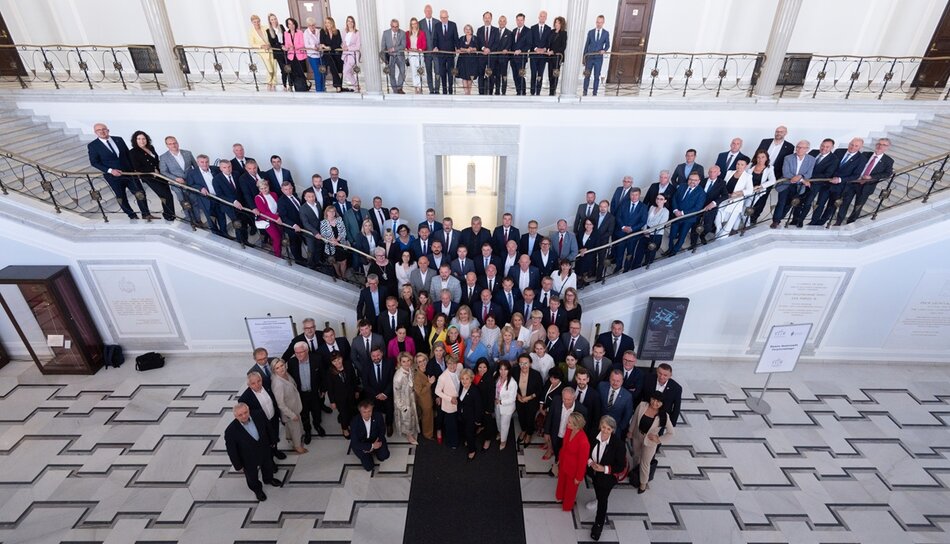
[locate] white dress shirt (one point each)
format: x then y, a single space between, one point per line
266 403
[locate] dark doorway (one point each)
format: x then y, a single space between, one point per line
10 63
933 73
631 35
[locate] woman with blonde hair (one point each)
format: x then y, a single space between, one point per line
258 39
330 44
404 399
288 402
507 348
266 203
351 53
422 386
333 231
464 321
275 37
416 45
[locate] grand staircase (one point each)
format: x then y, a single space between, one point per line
911 143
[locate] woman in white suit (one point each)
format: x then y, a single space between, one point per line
763 175
506 392
738 186
289 403
650 426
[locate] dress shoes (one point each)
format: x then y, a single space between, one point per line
551 473
838 223
595 531
280 455
260 496
276 483
307 437
851 220
389 430
773 225
320 431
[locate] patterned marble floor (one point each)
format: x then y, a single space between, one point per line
849 454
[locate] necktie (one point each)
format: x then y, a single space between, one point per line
267 371
631 208
600 220
820 158
688 191
553 317
597 368
616 346
462 264
486 263
448 240
598 35
491 285
510 302
296 204
242 163
544 300
506 235
379 372
560 244
871 163
626 374
517 33
445 29
112 147
580 395
312 347
367 345
392 322
550 345
590 209
729 161
570 348
231 181
845 158
610 401
333 348
424 245
484 311
471 291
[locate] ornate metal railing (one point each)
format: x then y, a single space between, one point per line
846 76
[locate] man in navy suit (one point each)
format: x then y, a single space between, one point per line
288 208
875 166
726 161
504 232
377 379
506 38
598 43
486 39
777 148
521 44
621 194
368 436
227 188
202 179
632 376
483 261
615 341
450 238
671 391
714 190
372 300
445 38
684 169
110 155
587 396
247 440
262 402
485 306
334 184
509 298
631 217
541 35
824 170
615 401
462 265
688 199
797 170
433 224
277 175
525 275
847 168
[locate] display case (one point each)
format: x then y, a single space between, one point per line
46 305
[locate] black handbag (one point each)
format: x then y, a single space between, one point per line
149 361
112 355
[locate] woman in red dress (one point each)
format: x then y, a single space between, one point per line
572 462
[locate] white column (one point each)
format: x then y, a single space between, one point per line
786 14
574 56
369 46
157 17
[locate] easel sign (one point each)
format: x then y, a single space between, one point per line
780 354
271 333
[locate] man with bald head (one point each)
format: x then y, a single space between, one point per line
541 36
427 25
875 166
797 170
110 155
777 148
849 169
247 440
726 160
444 40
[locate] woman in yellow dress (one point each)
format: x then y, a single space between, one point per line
258 39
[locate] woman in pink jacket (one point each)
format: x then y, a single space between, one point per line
266 203
296 52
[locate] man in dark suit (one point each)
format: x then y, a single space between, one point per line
554 315
427 26
631 216
372 300
421 245
378 385
261 401
525 275
555 424
491 280
309 375
502 233
484 260
486 40
110 155
462 265
575 341
342 205
378 214
588 210
484 306
227 188
726 161
239 162
310 216
522 45
621 194
556 348
632 376
445 38
277 175
510 298
201 179
530 242
247 183
474 236
433 224
247 440
615 401
777 148
714 189
615 341
505 43
309 337
541 35
604 222
334 184
391 319
875 166
368 436
471 292
848 163
597 364
450 238
798 172
684 169
262 366
545 259
598 43
586 395
288 208
824 170
316 187
663 382
689 199
364 343
663 186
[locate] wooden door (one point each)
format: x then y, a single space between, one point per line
318 9
10 64
934 73
631 35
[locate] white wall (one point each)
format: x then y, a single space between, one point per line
379 148
864 27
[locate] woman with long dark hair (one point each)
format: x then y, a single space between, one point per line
144 159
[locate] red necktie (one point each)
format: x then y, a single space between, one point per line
871 163
560 245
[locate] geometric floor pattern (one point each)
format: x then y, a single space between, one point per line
848 454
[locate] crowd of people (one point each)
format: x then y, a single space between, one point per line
434 51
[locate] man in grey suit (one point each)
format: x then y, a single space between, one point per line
394 47
421 277
310 216
427 25
597 364
445 280
175 164
797 170
564 241
363 345
575 341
